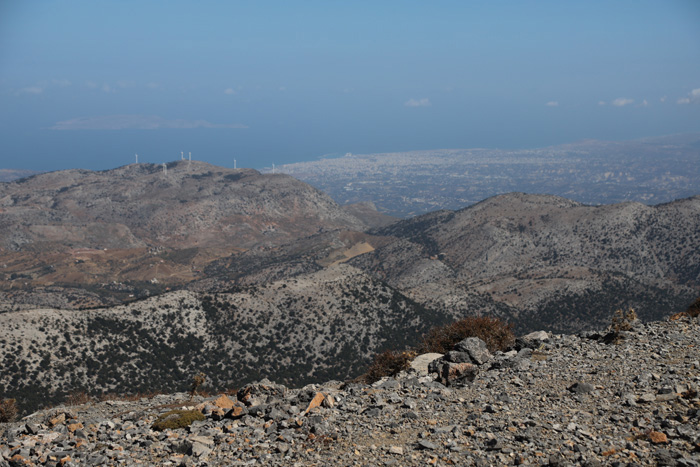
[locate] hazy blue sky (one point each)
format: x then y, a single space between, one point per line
89 83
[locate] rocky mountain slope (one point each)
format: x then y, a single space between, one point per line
560 400
186 205
143 224
323 325
544 260
538 261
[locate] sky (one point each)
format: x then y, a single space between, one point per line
88 84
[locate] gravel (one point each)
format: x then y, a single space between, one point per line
574 400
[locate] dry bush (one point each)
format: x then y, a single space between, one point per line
78 398
497 334
8 410
694 309
197 381
387 363
622 320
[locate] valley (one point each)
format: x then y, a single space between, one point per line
405 184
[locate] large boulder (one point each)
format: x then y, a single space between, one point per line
421 362
532 340
476 348
461 365
456 374
262 392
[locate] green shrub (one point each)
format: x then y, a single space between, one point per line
497 334
387 363
175 419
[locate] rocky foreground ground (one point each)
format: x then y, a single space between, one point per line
554 400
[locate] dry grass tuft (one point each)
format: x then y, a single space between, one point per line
177 419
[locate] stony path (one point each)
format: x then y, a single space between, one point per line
566 400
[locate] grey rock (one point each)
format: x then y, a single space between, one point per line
31 428
532 340
389 383
456 374
666 397
427 445
581 388
409 404
395 450
199 450
282 448
476 348
494 444
664 457
458 357
421 362
263 392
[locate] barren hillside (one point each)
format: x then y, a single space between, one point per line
141 225
545 260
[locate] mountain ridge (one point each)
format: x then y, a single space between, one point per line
532 244
132 195
151 226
